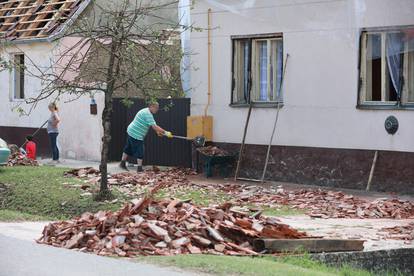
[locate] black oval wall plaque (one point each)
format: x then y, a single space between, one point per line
391 125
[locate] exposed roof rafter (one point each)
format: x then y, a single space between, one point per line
27 19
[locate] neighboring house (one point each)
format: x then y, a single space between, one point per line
350 66
33 30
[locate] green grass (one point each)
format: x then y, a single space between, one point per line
257 266
43 193
197 196
282 211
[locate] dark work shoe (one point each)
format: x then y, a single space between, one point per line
123 166
139 169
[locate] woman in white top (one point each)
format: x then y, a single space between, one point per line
53 131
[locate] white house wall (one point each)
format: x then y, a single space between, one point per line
80 132
39 53
321 82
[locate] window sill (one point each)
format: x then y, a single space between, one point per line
385 107
258 105
17 100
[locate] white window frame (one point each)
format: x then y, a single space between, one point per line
384 70
256 72
13 91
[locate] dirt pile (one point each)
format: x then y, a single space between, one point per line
166 227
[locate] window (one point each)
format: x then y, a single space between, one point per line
387 67
257 70
18 76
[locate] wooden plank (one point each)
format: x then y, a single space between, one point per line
11 2
17 12
35 25
16 8
57 16
30 12
29 30
307 245
2 11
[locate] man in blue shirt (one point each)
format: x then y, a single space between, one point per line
137 130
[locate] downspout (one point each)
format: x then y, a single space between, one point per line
208 62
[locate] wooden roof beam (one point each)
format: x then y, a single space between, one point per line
9 20
12 2
29 14
58 17
35 24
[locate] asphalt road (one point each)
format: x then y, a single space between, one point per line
26 258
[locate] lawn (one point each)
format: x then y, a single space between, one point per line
43 193
252 266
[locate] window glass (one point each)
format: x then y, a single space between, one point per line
409 78
240 71
276 68
373 71
263 70
386 67
18 76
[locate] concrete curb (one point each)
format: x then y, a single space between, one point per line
394 260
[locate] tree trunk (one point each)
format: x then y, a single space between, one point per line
106 139
106 120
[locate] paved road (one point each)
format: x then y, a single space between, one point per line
26 258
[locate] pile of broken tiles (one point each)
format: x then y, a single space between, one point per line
400 232
316 203
166 227
213 151
18 159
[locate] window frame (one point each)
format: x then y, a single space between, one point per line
13 78
401 103
251 39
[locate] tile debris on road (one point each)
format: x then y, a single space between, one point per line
401 232
166 227
317 203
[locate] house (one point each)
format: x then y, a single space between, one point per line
31 39
32 29
350 67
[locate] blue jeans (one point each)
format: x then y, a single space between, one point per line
53 143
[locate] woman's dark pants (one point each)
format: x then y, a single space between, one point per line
53 143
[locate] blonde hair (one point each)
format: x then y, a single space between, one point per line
53 106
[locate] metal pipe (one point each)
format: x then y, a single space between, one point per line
274 126
371 173
208 62
243 142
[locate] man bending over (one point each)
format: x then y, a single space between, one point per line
137 130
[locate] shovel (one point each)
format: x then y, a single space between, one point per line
34 134
198 141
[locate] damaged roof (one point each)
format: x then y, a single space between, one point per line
32 19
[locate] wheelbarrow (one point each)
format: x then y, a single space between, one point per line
223 163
